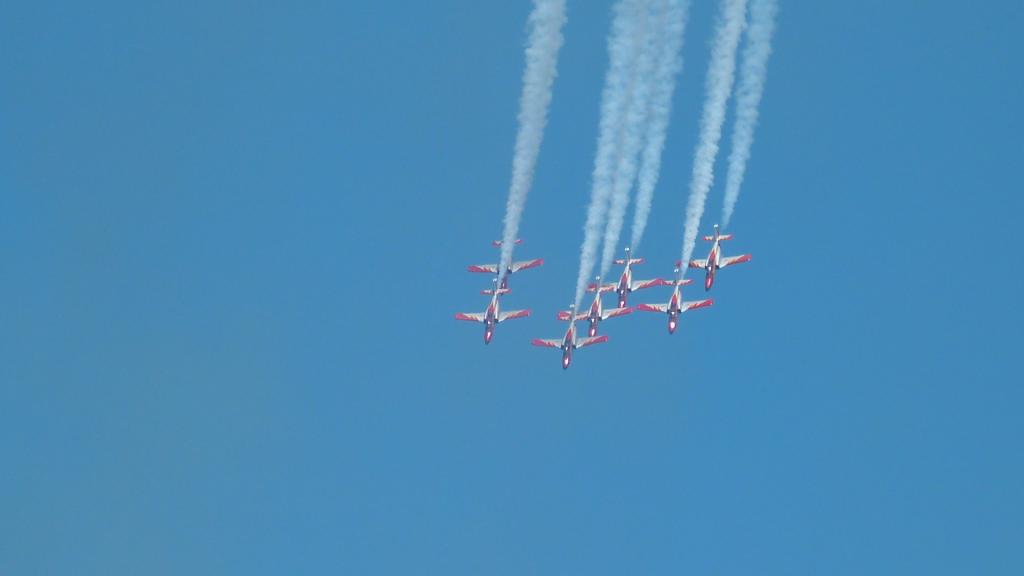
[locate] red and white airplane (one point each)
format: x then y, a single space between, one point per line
569 342
493 315
597 313
626 284
512 268
675 305
715 260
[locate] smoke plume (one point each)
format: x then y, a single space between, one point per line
753 69
545 40
669 63
717 88
623 46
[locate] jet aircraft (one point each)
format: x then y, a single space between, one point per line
596 313
510 269
715 261
493 315
569 342
626 284
675 305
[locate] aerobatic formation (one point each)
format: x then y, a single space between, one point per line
644 59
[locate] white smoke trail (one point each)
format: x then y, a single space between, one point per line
545 40
753 69
631 132
717 88
622 46
669 64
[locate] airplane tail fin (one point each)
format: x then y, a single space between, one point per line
498 243
721 238
500 291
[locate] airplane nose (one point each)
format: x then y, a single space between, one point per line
565 362
672 326
488 334
593 331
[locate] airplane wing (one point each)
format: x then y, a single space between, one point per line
613 312
584 342
697 304
517 266
484 268
730 260
555 343
512 315
699 263
653 307
641 284
477 317
604 288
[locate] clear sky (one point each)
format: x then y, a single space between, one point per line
233 237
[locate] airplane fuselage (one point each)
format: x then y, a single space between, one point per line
568 343
491 320
714 258
624 283
674 308
504 277
595 315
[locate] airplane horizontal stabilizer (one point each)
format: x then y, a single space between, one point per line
632 261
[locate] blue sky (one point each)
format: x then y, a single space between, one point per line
233 238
